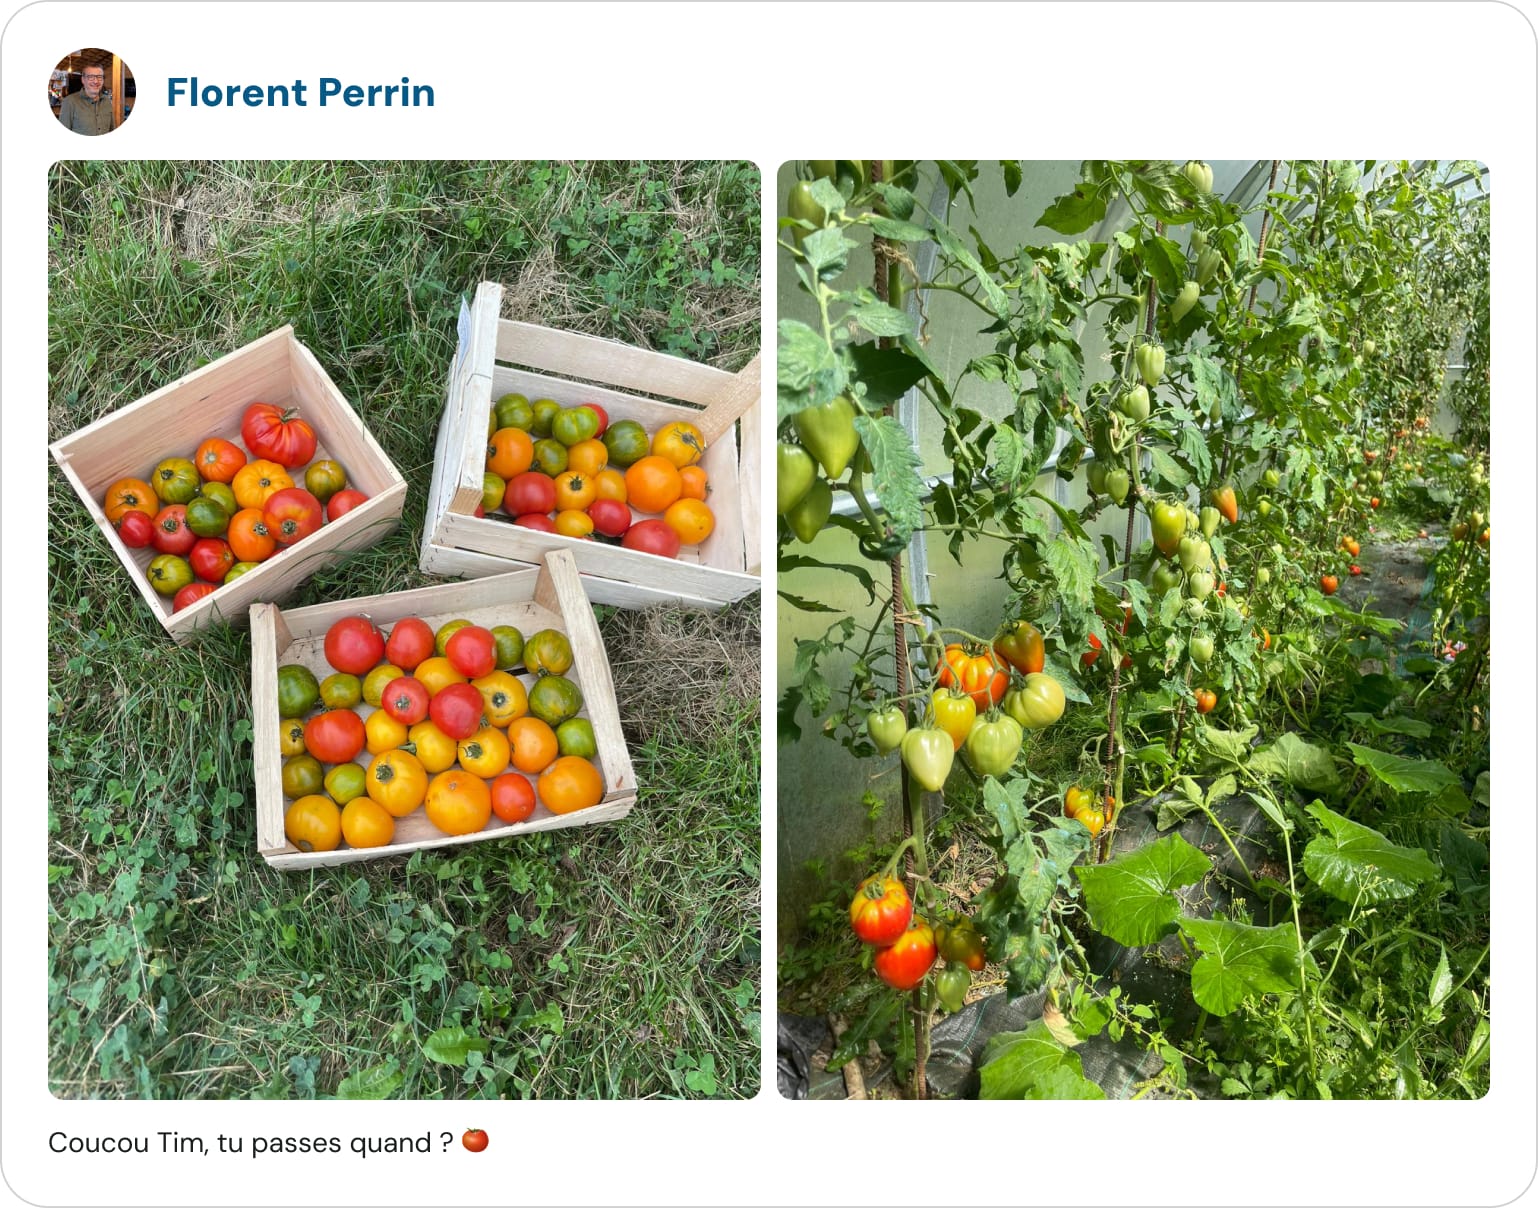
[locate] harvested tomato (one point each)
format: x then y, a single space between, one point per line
334 736
610 484
456 709
509 452
880 910
172 536
569 784
603 417
434 748
652 483
696 483
211 559
354 645
504 696
652 537
548 652
904 964
691 519
218 460
437 673
512 797
137 529
343 502
278 435
411 641
291 515
574 491
485 753
472 650
398 781
249 538
169 573
537 521
191 594
589 458
257 481
366 823
458 803
130 495
324 479
534 744
405 699
175 480
610 517
680 442
313 823
572 523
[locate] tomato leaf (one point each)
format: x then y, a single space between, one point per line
899 203
801 561
892 228
895 472
1013 176
953 247
880 319
1074 212
1167 468
1299 763
1007 805
1239 961
1033 1065
1414 727
1131 899
1355 863
886 373
377 1082
808 372
1404 775
453 1046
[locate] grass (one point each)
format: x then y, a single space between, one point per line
610 961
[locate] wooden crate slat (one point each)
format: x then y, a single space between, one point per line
608 361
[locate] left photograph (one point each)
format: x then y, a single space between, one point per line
403 624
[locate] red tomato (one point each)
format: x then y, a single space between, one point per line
277 435
1090 655
603 417
217 460
610 517
902 965
528 492
192 593
475 1139
172 536
405 698
335 736
653 537
473 651
211 558
137 530
411 641
456 710
291 515
354 646
343 502
536 520
512 797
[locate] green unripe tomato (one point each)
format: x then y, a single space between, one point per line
886 728
1134 404
1201 649
1150 363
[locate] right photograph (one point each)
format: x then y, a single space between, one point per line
1133 656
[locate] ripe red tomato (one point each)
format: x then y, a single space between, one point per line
610 517
475 1140
603 417
335 736
880 911
976 673
411 641
536 520
1089 656
192 593
903 965
354 646
456 710
1328 584
172 536
137 530
473 651
343 502
1206 700
1355 569
291 515
211 559
405 698
277 435
512 797
528 492
653 537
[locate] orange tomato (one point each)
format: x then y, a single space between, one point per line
248 536
696 483
587 457
485 753
313 823
505 696
133 495
610 484
218 460
437 673
366 823
258 481
382 733
458 803
534 744
652 483
509 452
574 523
690 519
574 491
680 442
569 784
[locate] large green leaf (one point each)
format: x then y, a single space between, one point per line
809 373
1033 1065
997 302
1239 961
1404 775
1354 862
453 1046
377 1082
1074 212
1299 763
1006 802
886 373
895 472
1131 899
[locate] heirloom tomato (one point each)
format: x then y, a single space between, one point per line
313 823
211 559
880 910
191 594
366 823
334 736
437 673
603 417
828 433
886 727
548 652
509 646
903 964
696 482
589 458
529 493
382 732
691 519
344 783
433 747
550 457
324 479
575 736
291 515
504 697
569 784
573 425
375 681
172 536
257 481
513 411
343 502
610 517
290 736
680 442
610 484
405 699
1020 645
277 435
486 753
130 495
249 537
472 650
954 712
554 698
960 942
298 690
993 745
537 521
301 775
652 483
398 781
1206 700
458 803
135 529
207 517
574 491
410 641
1037 703
217 460
928 755
975 671
354 645
627 443
175 480
512 797
951 985
456 709
534 744
509 453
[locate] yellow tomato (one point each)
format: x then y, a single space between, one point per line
573 523
437 673
374 682
574 491
382 732
291 737
458 803
485 753
366 823
691 519
398 781
505 696
680 442
434 748
313 823
570 784
610 484
257 481
588 457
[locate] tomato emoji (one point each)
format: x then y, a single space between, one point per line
474 1140
354 645
458 803
277 435
880 910
904 963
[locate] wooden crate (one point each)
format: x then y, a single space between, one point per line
547 597
565 367
210 401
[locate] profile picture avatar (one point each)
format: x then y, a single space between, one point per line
91 91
